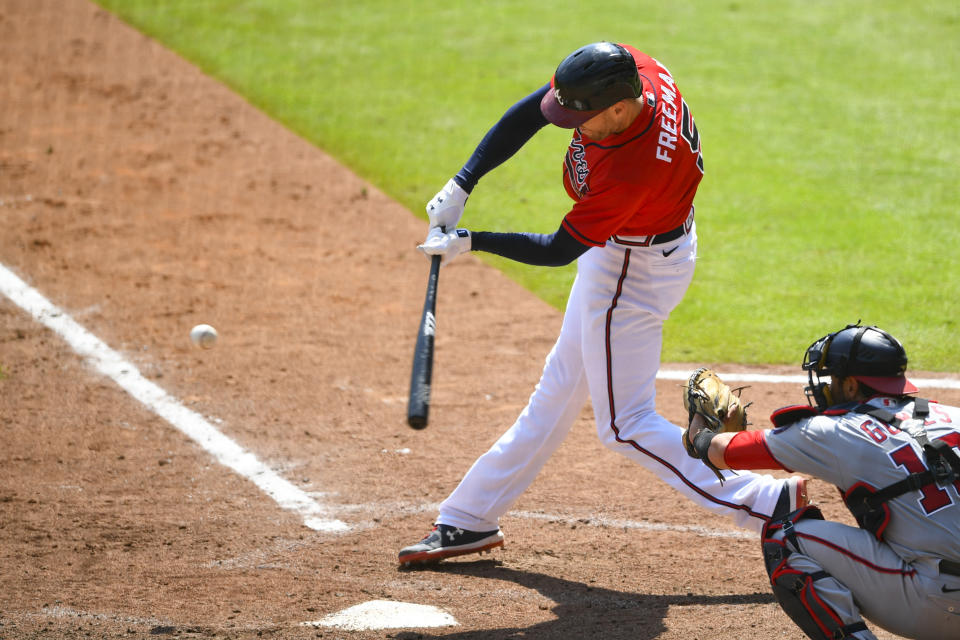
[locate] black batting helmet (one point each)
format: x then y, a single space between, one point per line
588 81
869 354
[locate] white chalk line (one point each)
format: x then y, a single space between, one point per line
923 383
617 523
111 364
59 612
594 519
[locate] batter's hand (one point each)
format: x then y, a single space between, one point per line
446 208
448 245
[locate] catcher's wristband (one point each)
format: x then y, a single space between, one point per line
701 445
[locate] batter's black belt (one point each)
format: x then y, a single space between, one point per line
646 241
660 238
950 567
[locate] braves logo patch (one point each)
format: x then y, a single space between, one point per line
577 167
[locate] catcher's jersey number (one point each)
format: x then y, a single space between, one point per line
934 497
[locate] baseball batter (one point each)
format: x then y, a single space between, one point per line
895 459
632 168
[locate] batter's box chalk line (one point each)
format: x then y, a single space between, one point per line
114 366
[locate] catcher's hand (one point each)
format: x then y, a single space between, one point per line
718 406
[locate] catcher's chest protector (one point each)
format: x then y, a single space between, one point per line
796 591
869 505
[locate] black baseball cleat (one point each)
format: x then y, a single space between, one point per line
793 496
445 541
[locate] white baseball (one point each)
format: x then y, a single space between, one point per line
204 336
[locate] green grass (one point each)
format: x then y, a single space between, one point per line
829 133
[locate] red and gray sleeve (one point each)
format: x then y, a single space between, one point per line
749 450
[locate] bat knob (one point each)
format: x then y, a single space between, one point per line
417 422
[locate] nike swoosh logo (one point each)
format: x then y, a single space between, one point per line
945 590
666 254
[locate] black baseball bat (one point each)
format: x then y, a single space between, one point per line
418 405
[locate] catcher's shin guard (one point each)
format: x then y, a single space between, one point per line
796 591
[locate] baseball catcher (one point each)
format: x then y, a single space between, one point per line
719 409
894 456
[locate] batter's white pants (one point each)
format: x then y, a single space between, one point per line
609 348
868 578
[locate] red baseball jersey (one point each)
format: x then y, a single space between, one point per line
641 181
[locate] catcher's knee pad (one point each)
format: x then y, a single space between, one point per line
796 591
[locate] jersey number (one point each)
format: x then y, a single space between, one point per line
688 129
934 498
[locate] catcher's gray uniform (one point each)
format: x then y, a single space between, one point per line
908 582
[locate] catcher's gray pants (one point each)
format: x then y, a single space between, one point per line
870 580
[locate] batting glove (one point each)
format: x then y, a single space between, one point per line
446 208
448 245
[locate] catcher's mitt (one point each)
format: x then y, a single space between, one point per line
706 395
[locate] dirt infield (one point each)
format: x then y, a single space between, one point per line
142 198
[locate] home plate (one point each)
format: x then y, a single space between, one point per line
384 614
